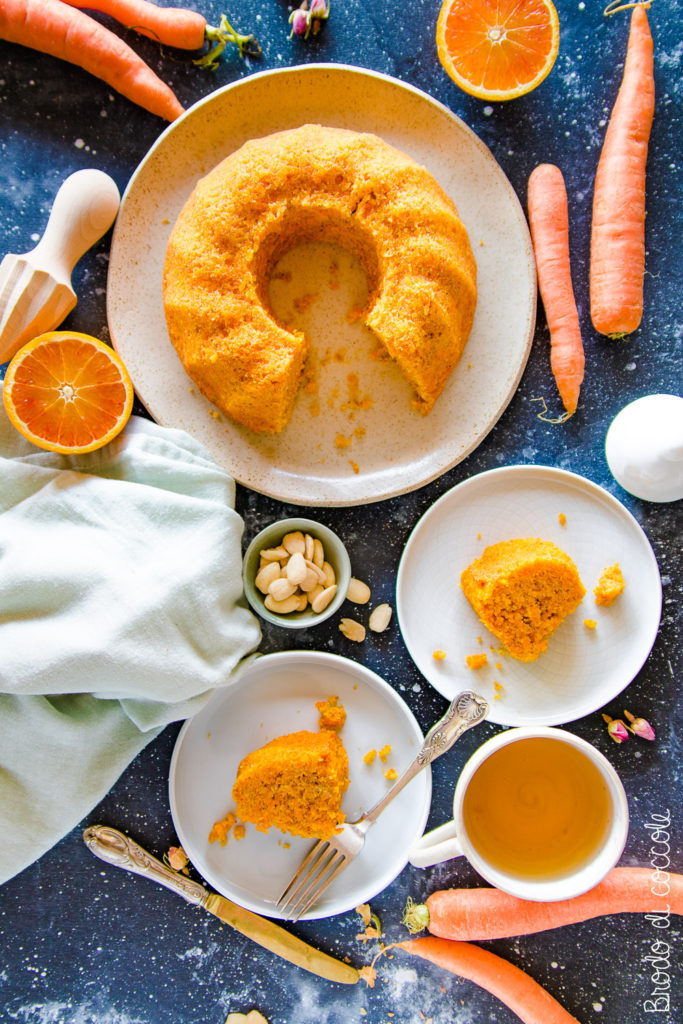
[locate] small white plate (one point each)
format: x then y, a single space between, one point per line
582 668
337 449
275 695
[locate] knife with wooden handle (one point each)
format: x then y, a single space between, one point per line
112 846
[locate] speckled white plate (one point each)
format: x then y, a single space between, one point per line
334 451
582 669
276 694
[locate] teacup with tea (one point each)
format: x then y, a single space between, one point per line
538 812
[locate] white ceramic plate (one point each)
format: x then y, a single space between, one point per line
582 669
275 695
391 448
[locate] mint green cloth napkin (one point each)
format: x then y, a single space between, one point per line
121 610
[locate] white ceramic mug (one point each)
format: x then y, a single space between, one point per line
451 840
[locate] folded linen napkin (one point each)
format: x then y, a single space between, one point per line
121 610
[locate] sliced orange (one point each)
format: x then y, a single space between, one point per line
67 392
497 49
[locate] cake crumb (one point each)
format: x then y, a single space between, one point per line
475 661
610 585
390 774
220 829
438 655
590 623
384 752
370 757
562 519
332 714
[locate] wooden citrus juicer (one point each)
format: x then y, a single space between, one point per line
35 288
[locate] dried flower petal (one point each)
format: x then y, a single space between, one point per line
640 727
364 910
616 729
368 974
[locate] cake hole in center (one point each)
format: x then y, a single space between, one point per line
321 289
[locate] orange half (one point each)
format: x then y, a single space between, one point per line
497 49
67 392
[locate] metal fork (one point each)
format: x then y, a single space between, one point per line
329 857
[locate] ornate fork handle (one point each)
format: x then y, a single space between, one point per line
112 846
466 710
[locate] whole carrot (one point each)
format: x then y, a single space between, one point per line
549 223
53 27
617 260
483 914
512 986
173 26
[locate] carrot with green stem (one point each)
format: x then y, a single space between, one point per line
52 27
617 258
483 914
510 984
174 26
549 223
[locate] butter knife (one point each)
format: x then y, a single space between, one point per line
112 846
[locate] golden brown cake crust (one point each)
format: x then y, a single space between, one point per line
300 185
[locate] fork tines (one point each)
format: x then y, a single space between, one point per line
319 868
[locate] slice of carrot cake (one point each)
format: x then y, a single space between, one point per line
522 590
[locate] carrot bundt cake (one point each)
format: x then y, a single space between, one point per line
305 184
295 783
522 590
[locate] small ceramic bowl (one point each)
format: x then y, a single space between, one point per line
271 537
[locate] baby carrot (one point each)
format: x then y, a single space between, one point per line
617 260
483 914
512 986
549 223
53 27
173 26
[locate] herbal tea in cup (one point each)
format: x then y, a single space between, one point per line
538 812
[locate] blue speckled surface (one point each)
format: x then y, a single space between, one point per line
85 942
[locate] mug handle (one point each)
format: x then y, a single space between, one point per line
436 846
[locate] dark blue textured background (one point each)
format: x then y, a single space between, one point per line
85 942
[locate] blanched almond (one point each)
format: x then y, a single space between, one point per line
358 591
308 546
282 607
380 617
318 553
310 581
282 588
316 569
294 542
329 575
321 600
352 630
274 554
269 572
296 569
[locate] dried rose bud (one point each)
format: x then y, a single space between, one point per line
319 9
298 19
616 729
640 727
177 858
